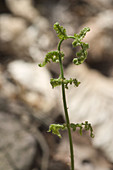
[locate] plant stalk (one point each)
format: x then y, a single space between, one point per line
66 109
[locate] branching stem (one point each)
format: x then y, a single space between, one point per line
58 56
65 108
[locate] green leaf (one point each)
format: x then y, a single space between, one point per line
82 54
55 82
73 126
76 82
76 42
85 125
83 32
59 81
60 31
53 56
79 60
55 128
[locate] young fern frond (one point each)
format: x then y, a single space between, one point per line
80 36
56 128
87 126
59 81
82 54
52 55
57 56
83 32
60 31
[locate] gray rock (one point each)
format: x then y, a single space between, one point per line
37 83
99 38
23 8
85 155
93 101
29 42
18 147
4 163
10 27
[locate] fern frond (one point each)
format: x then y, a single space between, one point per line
82 54
60 31
59 81
55 129
52 55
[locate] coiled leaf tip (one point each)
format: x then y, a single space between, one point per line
53 56
60 31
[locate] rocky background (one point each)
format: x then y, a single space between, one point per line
28 104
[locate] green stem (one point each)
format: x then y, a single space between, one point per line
65 109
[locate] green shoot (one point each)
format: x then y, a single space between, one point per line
58 57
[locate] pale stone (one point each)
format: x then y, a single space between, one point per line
23 8
37 81
93 101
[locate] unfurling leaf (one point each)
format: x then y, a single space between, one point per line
83 32
59 81
60 31
53 56
82 54
55 128
85 125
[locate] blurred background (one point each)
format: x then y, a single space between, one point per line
28 104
